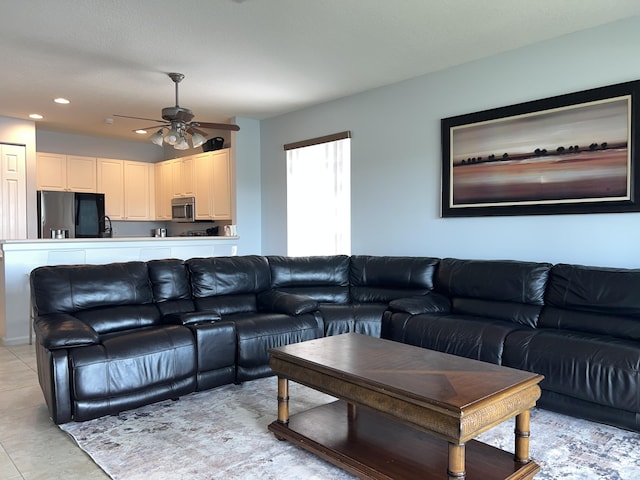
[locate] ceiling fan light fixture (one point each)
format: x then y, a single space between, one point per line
181 144
157 138
172 136
177 122
197 139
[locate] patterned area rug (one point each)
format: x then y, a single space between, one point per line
222 433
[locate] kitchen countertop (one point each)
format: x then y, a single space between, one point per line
117 239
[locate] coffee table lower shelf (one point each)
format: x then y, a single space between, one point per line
373 446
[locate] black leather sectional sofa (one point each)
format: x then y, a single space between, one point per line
117 336
578 326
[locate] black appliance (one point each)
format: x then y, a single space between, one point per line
70 214
215 143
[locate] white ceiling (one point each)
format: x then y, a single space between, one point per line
252 58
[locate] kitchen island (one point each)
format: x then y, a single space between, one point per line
19 257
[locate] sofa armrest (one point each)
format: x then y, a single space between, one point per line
431 302
60 330
192 318
287 303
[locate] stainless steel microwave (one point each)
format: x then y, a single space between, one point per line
183 209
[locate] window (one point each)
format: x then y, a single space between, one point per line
319 196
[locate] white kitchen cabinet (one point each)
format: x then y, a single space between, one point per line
212 185
69 173
203 184
164 190
139 191
128 187
182 176
221 184
111 183
13 192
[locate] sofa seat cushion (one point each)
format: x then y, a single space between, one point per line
364 318
258 332
478 338
599 369
127 363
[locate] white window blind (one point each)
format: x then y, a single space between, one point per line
319 196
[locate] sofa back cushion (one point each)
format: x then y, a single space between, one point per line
501 289
228 284
382 279
598 300
323 278
170 285
111 297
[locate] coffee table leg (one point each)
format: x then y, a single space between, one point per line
352 411
522 437
456 470
283 400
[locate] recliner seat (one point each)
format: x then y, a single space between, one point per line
353 292
239 290
101 347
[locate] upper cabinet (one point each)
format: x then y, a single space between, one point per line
65 172
129 189
212 185
205 176
164 190
222 190
139 191
111 183
182 176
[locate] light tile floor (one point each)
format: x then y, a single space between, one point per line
31 445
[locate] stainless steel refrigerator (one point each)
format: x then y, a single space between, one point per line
70 214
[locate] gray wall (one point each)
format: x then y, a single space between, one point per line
71 144
396 156
246 174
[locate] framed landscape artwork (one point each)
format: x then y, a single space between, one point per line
572 153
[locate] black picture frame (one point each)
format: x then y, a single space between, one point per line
568 154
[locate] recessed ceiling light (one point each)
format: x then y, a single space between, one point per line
61 100
36 116
141 132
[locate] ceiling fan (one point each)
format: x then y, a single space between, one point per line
176 127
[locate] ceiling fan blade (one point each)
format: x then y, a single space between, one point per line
197 130
219 126
141 118
152 127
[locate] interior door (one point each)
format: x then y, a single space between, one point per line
13 188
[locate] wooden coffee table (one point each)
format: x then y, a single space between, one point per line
404 412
